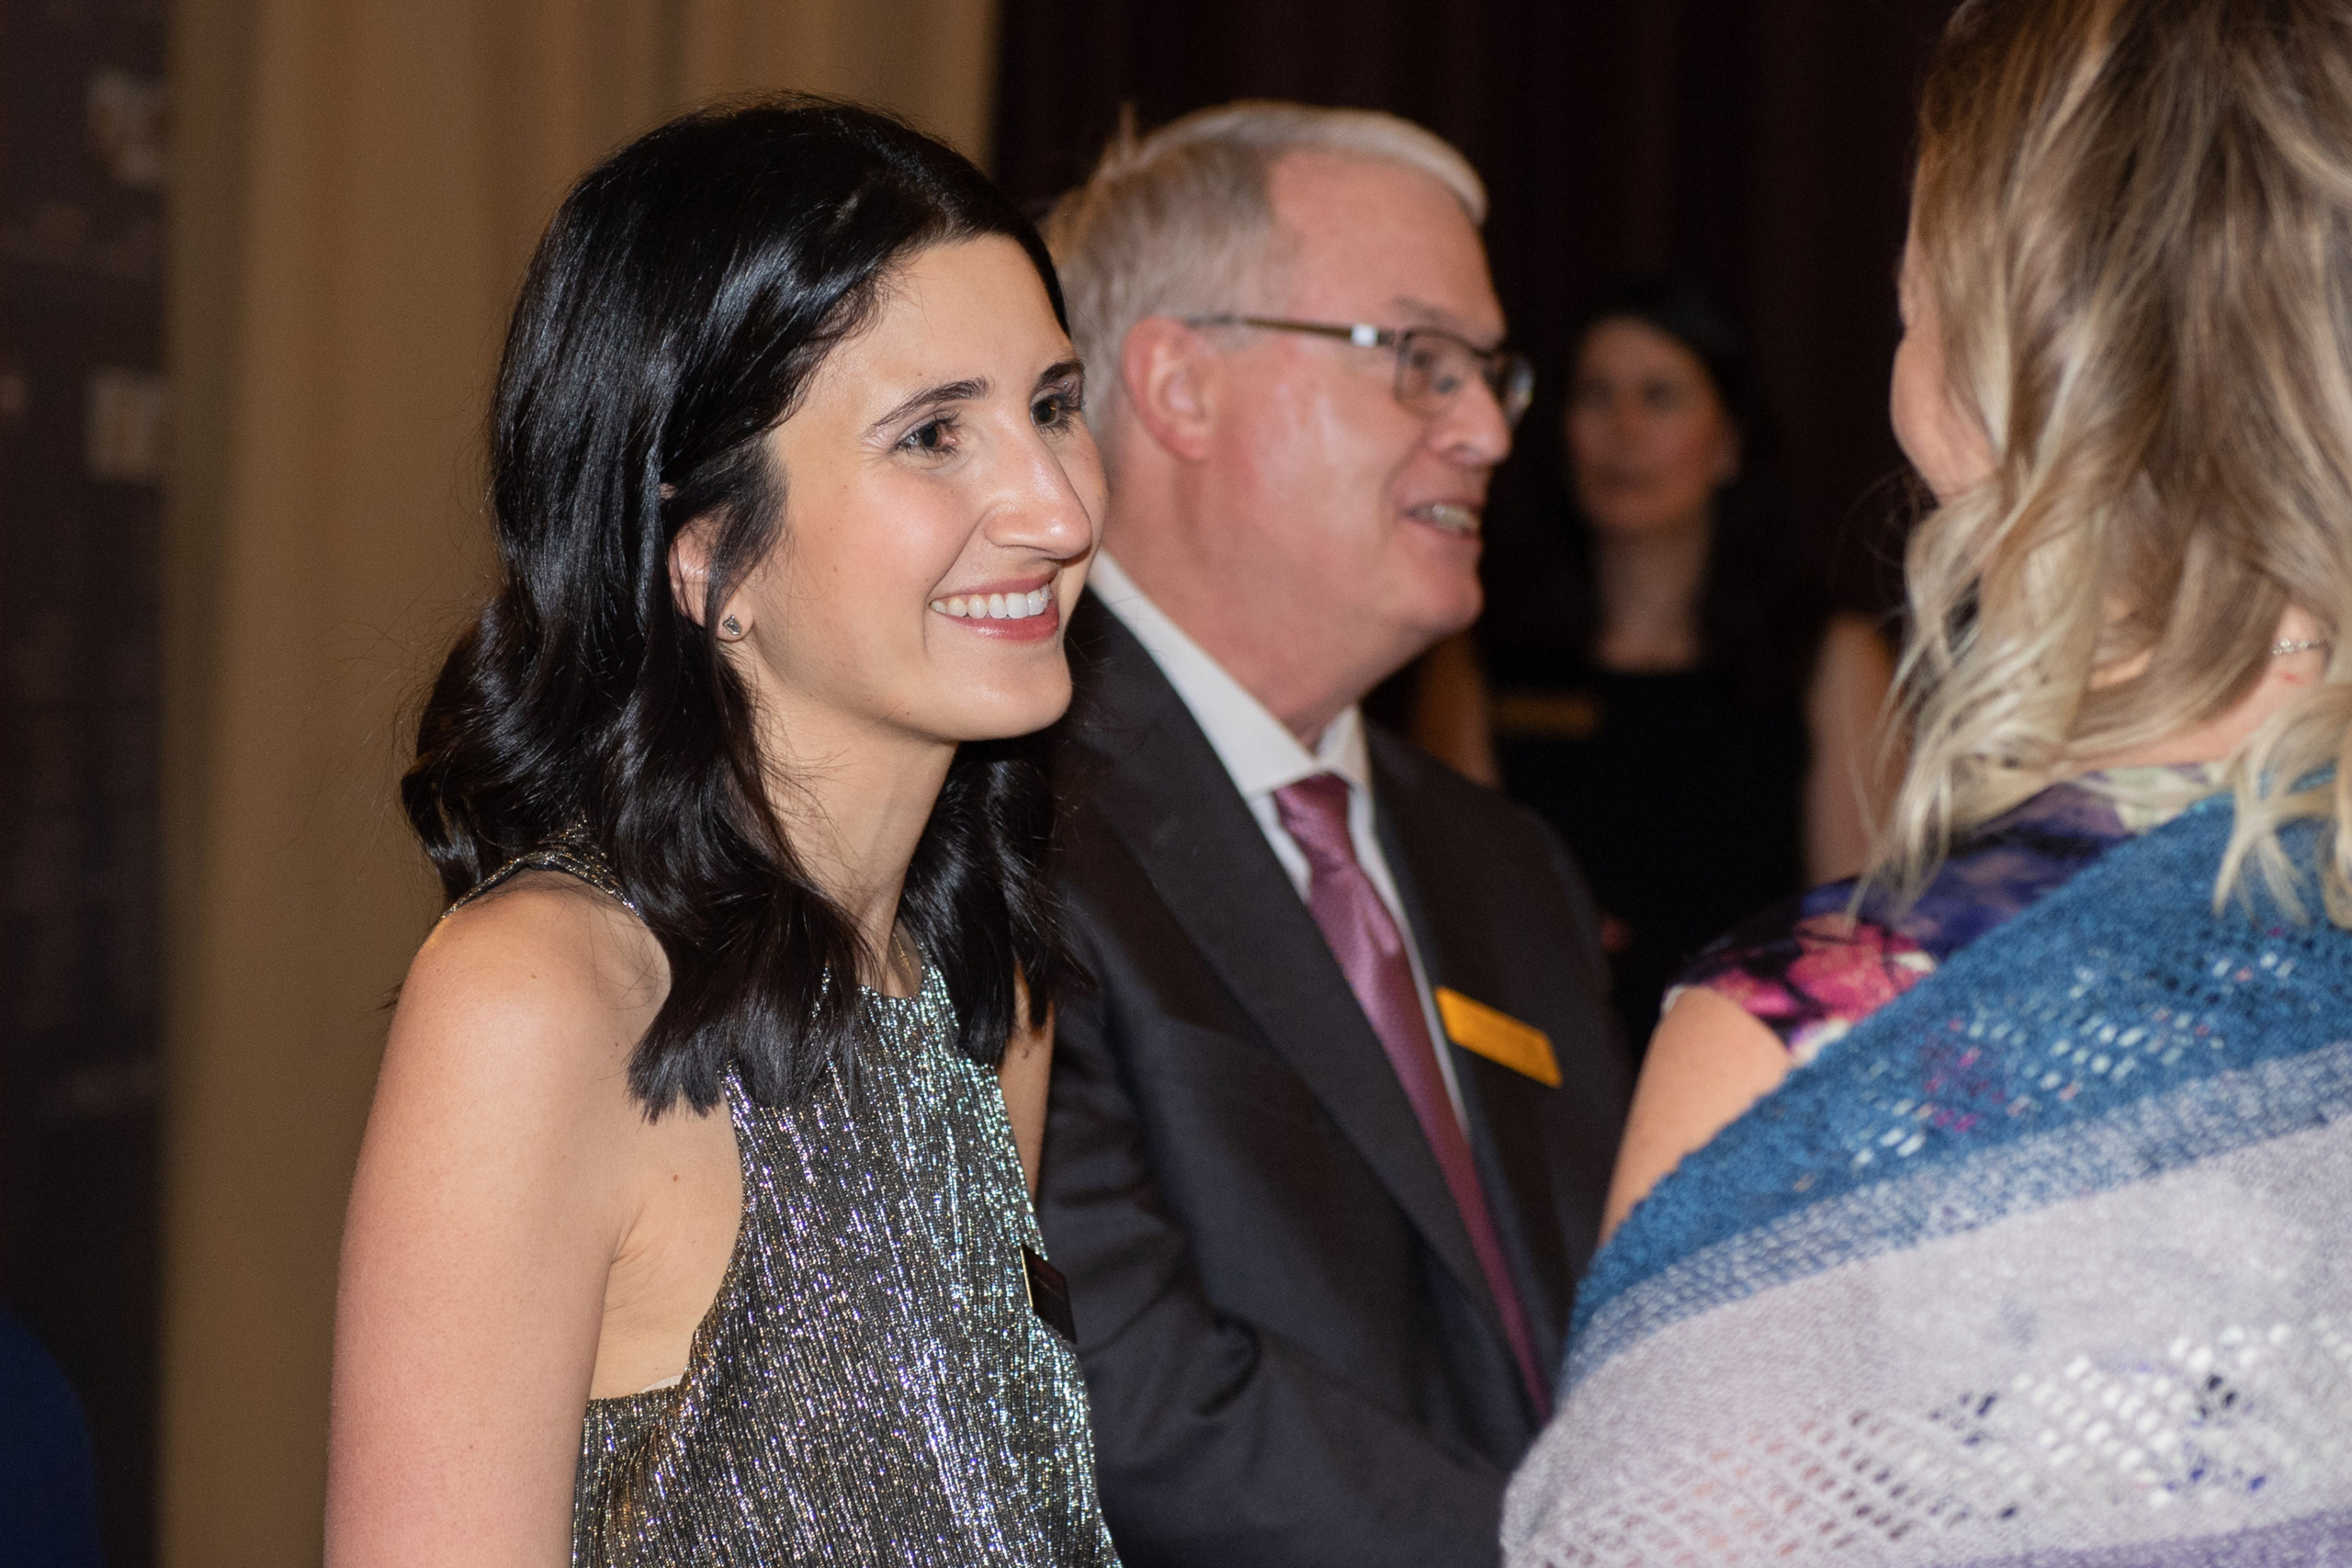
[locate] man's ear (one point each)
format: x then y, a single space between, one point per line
690 567
1728 460
1172 378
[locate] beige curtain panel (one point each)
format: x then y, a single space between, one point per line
357 187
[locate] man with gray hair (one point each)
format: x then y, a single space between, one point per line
1327 1141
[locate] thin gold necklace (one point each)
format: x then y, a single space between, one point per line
911 969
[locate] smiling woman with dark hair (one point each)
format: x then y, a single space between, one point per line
691 1223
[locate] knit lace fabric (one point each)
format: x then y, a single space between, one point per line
2048 1261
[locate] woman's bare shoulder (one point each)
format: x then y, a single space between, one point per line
1709 1061
1853 651
540 988
542 941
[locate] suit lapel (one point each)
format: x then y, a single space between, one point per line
1170 800
1505 1111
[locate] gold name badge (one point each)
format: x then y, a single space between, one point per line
1498 1037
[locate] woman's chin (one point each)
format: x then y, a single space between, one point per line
1005 713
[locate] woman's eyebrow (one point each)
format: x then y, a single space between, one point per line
945 392
1061 371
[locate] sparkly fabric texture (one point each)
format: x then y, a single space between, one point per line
2047 1260
870 1385
569 852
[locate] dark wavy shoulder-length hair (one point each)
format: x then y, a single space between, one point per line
1761 610
684 295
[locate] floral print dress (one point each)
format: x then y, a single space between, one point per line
1810 970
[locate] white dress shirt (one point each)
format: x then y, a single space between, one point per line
1261 755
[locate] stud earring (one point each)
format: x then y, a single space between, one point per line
732 627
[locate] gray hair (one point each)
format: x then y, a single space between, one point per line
1178 223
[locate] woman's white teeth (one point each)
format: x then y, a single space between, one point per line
996 606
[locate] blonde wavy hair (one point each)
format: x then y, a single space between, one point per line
2134 218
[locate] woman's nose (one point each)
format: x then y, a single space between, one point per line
1041 509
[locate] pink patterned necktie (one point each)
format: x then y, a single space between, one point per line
1371 952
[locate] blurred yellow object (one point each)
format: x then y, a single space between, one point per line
1547 715
1498 1037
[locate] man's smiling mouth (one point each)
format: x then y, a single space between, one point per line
1452 516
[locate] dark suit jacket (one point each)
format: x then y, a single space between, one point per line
1293 1355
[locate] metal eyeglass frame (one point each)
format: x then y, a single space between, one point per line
1509 376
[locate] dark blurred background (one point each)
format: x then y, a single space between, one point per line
254 261
81 457
1761 147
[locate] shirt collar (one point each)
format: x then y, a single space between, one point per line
1257 751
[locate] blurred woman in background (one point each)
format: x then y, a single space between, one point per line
1673 691
2001 1211
691 1225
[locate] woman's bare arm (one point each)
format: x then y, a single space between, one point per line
1709 1061
484 1218
1846 787
1025 1076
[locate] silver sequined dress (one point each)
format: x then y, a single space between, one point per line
871 1384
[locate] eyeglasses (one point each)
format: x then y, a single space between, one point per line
1432 367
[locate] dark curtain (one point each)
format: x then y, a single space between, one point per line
1762 145
83 439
